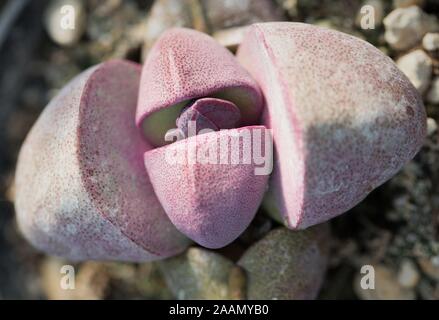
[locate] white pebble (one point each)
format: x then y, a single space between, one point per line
418 67
433 93
430 42
431 126
405 27
230 38
408 275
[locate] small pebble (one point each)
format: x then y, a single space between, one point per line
433 93
430 42
431 126
65 21
290 6
405 27
418 67
202 274
233 13
237 283
429 267
230 38
208 16
137 281
408 275
166 14
286 264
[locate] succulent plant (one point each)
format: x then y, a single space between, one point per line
93 180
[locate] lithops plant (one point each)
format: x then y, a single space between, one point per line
93 179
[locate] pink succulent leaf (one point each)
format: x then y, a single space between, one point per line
183 65
344 118
188 77
210 202
208 113
82 189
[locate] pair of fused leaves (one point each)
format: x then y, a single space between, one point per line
343 117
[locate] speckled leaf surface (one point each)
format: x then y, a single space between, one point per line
82 190
344 118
